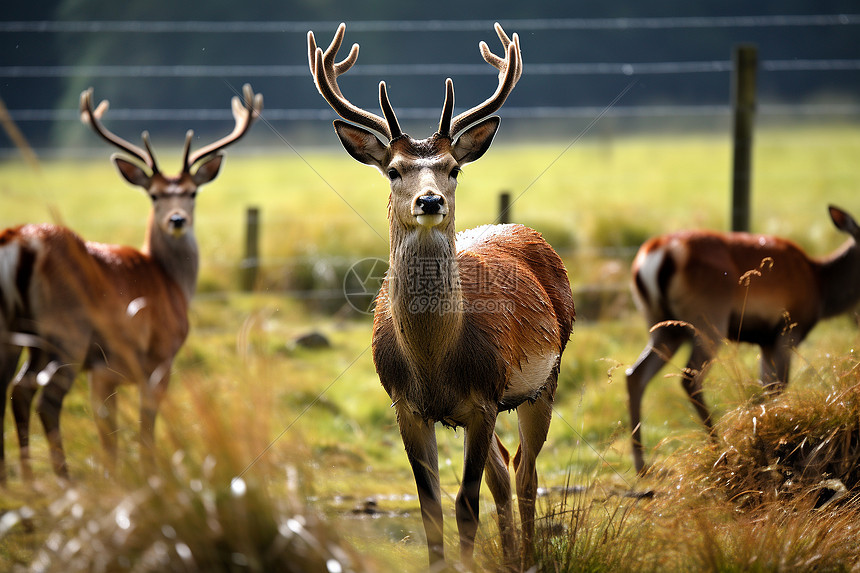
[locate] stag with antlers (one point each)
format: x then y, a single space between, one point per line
466 326
119 313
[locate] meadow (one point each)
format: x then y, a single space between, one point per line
272 452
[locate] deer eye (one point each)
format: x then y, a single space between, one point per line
194 194
393 174
455 172
153 196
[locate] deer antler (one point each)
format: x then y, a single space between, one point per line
245 111
92 117
325 72
510 69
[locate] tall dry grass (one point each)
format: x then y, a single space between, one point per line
215 503
805 443
779 491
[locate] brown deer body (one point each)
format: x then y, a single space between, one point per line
116 312
703 287
465 325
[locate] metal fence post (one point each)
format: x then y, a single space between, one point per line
504 207
251 261
743 102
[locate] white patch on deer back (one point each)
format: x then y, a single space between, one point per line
135 306
469 237
648 272
10 255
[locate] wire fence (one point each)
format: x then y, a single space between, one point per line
331 292
543 112
552 71
560 69
210 27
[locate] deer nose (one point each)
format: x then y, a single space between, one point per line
429 204
177 221
177 224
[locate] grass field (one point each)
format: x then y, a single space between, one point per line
310 432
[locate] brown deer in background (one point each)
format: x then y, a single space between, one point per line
116 312
465 326
703 287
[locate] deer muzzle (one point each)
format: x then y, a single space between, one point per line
177 224
429 209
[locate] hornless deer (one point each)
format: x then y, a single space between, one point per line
116 312
702 287
464 327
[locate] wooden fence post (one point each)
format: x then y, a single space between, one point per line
745 60
504 207
251 261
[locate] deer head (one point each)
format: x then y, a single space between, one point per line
172 196
422 173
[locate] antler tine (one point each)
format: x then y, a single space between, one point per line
325 71
393 126
186 150
245 111
510 69
312 53
447 109
92 117
146 143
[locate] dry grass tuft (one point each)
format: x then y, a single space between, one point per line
188 519
585 533
804 443
210 506
779 492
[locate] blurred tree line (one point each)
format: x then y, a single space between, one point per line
61 49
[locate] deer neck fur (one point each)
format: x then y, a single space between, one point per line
176 254
840 279
424 293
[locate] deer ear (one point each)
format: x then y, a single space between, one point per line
361 144
131 172
843 221
475 141
208 170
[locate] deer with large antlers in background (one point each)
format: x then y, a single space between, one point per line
465 326
116 312
703 287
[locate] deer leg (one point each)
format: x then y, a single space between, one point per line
153 391
103 402
775 365
24 389
419 439
660 349
480 434
8 364
49 407
533 420
692 378
498 480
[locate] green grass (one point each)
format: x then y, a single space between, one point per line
594 195
311 431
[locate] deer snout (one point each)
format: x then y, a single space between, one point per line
429 209
177 223
429 204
